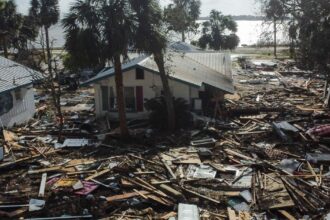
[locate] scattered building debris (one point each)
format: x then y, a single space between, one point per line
267 157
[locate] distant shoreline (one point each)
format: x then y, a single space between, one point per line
240 18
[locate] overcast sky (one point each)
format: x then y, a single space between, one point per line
232 7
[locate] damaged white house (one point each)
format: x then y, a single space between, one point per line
16 93
198 77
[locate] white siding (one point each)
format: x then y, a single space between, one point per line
23 109
151 84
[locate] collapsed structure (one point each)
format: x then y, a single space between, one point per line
197 77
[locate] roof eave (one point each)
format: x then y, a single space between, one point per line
15 88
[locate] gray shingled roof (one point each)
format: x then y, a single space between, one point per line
182 68
14 75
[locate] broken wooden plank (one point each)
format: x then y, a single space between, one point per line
168 168
201 196
231 214
234 153
126 196
172 191
140 194
107 170
312 171
50 169
287 215
42 185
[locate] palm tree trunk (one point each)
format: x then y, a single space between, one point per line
5 47
183 36
292 49
159 59
275 38
120 97
56 96
49 54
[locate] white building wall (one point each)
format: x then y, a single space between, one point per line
23 110
152 87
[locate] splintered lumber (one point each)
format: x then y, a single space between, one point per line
9 136
287 215
144 173
312 171
42 185
274 195
201 196
160 200
126 196
172 191
241 215
169 215
160 182
140 194
231 214
147 186
140 158
7 164
107 170
168 168
234 153
244 216
50 169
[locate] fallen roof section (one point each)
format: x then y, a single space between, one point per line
181 67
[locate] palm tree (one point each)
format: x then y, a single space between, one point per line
151 38
46 13
119 24
113 24
10 22
83 36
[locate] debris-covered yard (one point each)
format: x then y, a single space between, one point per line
268 158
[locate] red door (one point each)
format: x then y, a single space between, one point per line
139 98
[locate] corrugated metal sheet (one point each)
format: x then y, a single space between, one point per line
219 62
183 68
14 75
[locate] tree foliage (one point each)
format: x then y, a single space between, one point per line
219 33
275 13
100 31
310 28
181 16
45 12
83 37
15 29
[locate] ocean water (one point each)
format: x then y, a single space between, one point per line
249 32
